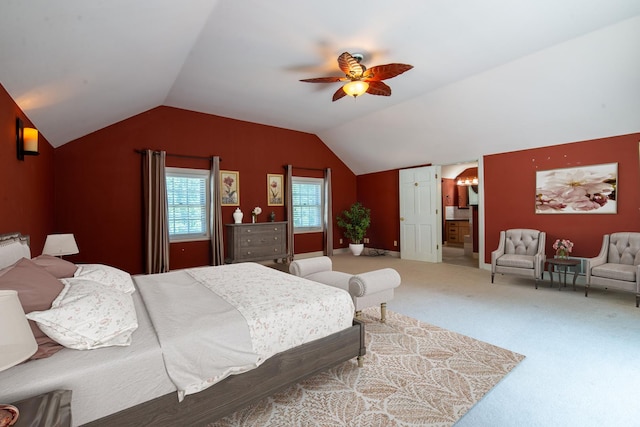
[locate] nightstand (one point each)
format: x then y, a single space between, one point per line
51 409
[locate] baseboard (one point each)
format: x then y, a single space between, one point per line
366 252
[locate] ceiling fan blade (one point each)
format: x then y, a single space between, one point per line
339 94
324 80
379 88
350 66
382 72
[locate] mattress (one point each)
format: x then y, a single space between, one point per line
213 322
103 381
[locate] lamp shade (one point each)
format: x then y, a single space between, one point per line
60 244
17 343
30 136
355 88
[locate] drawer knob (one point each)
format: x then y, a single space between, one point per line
248 231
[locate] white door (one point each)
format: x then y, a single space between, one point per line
420 214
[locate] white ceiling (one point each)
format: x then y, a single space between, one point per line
490 75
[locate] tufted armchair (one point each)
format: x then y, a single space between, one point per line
618 264
520 252
366 289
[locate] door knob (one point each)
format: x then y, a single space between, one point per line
401 218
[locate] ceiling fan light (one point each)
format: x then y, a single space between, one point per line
355 88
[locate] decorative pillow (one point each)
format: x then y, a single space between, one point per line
37 289
89 315
106 275
56 266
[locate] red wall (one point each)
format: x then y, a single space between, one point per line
509 185
379 192
26 187
98 184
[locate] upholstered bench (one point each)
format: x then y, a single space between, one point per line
367 289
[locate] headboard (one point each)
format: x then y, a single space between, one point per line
13 246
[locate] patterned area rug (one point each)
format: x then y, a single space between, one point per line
414 374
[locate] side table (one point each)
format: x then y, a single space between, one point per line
51 409
563 264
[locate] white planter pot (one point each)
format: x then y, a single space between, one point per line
356 248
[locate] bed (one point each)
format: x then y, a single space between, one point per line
167 372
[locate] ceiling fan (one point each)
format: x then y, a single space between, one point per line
360 78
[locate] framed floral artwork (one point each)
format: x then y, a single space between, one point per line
230 188
582 189
275 194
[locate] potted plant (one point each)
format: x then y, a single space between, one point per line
354 223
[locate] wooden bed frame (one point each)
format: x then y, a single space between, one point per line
238 391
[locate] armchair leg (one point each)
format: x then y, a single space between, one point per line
358 314
637 300
586 291
383 312
492 274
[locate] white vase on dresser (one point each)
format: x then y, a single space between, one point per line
237 216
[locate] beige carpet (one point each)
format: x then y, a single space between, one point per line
415 374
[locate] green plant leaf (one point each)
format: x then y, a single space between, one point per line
355 221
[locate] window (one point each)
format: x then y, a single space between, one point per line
188 200
308 204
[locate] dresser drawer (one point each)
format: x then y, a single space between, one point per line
266 252
259 240
260 229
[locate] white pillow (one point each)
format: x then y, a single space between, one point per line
106 275
89 315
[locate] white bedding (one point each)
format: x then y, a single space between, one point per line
216 321
195 327
103 381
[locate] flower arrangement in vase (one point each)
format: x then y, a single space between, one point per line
563 248
254 214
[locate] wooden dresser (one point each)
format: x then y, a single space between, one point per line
256 242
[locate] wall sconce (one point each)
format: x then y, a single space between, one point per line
26 140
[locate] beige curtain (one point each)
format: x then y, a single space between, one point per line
217 239
156 229
289 208
328 214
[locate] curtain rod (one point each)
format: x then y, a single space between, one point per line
307 169
182 156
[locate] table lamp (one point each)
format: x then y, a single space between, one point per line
60 244
17 343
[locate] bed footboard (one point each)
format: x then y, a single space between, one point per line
238 391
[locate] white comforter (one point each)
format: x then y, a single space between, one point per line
213 322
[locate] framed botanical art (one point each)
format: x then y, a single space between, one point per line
230 188
275 194
581 189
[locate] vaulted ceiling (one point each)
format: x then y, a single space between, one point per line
490 75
